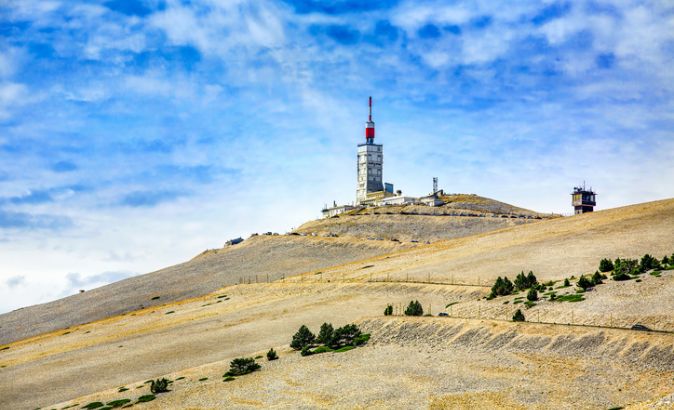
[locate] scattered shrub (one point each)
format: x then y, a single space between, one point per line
345 335
532 296
241 366
648 262
573 297
597 278
566 283
228 379
169 312
122 389
306 351
322 349
118 403
302 338
271 355
584 283
622 267
325 334
344 349
605 265
388 311
529 304
665 260
502 287
414 309
156 297
93 405
146 398
159 386
518 316
203 379
361 339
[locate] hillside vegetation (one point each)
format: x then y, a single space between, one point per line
584 355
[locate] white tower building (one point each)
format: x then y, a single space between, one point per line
370 164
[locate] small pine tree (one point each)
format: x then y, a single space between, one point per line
597 278
241 366
605 265
345 336
302 338
531 279
566 282
665 260
584 283
159 386
325 334
388 311
521 281
414 309
648 262
532 295
518 316
271 355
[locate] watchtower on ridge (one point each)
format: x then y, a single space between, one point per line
583 200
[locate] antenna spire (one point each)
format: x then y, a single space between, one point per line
370 116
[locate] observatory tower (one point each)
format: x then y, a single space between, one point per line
583 200
370 164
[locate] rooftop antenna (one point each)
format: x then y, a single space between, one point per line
369 126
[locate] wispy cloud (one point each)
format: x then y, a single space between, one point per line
221 116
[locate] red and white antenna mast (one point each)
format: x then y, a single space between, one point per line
369 126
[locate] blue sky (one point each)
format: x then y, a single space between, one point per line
135 134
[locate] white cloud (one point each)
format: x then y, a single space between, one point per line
12 95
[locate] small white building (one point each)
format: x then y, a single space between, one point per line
431 200
336 210
398 200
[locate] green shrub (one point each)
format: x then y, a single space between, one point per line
521 282
624 267
502 287
159 386
241 366
344 349
325 334
518 316
605 265
414 309
118 403
665 260
597 278
122 389
621 276
388 311
532 295
302 338
361 340
203 379
93 405
529 304
146 398
228 379
648 262
584 283
573 297
322 349
345 336
306 351
566 283
271 355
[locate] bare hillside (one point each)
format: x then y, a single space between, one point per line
553 249
461 215
259 259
